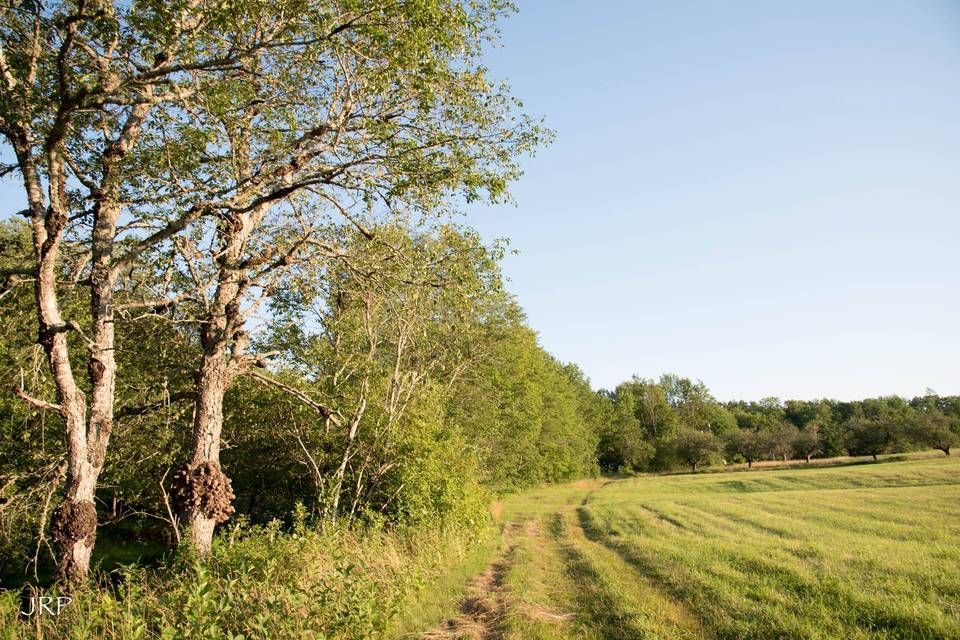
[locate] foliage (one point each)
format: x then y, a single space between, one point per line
871 437
528 418
937 431
696 448
648 417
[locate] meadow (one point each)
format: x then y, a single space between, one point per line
858 551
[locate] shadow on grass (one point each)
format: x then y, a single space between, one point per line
854 610
594 601
594 534
776 465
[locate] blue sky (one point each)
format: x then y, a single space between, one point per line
763 195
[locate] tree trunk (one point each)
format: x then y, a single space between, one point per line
204 494
694 466
87 443
874 456
73 524
749 464
207 429
202 491
808 459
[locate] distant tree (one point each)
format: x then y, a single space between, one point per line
800 412
748 445
680 391
696 447
870 437
651 406
806 442
937 431
781 440
766 414
695 407
622 446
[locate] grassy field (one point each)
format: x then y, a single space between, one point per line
860 551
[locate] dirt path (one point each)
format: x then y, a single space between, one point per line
482 610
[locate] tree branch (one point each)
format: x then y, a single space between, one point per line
323 410
127 412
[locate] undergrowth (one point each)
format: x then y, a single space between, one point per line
262 582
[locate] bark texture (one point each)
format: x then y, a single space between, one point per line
223 341
87 428
202 491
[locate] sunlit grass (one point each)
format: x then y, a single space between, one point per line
863 551
866 551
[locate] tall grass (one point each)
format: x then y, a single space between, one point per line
265 583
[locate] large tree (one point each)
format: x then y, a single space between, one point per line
176 131
871 437
81 83
936 430
747 444
696 448
388 115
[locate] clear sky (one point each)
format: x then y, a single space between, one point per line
763 195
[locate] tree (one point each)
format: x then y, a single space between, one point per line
749 445
695 448
937 431
393 328
108 111
622 447
202 124
59 79
806 442
695 407
800 412
526 417
870 437
781 440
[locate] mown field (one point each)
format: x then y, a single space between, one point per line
859 551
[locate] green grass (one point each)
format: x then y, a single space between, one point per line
443 590
862 551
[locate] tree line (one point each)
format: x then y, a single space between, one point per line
660 425
443 397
